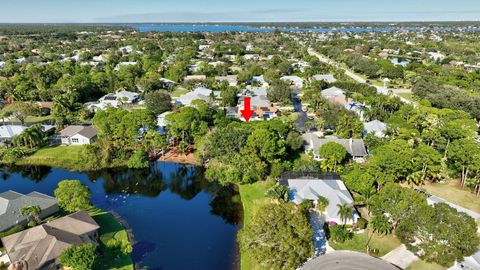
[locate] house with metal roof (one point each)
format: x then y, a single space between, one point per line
40 247
328 78
11 202
378 128
356 148
335 95
9 131
199 93
329 187
78 135
295 80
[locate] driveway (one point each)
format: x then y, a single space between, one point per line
380 89
319 237
302 116
400 257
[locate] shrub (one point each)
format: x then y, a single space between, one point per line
362 223
278 192
340 234
322 203
32 223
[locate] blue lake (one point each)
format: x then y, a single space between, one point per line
244 28
179 220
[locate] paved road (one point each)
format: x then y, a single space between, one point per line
302 116
380 89
347 260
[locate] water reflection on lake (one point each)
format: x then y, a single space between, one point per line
180 220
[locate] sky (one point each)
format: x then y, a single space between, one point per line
123 11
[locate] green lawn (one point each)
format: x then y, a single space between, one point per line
35 119
110 228
453 193
67 157
178 93
422 265
253 196
407 96
384 244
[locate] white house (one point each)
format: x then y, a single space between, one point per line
378 128
356 148
115 100
199 93
328 78
2 64
333 189
295 80
251 56
124 64
78 135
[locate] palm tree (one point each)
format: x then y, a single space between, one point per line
379 224
345 212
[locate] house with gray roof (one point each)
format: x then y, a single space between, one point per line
40 247
11 202
78 135
356 148
328 78
295 80
9 131
199 93
329 187
335 95
378 128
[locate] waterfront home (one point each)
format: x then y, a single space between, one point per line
7 132
295 80
329 187
231 79
328 78
356 148
335 95
378 128
11 202
199 93
40 247
78 135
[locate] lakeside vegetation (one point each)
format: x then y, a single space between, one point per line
253 197
431 141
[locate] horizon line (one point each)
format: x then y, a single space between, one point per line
256 22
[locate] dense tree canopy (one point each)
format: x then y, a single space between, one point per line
279 237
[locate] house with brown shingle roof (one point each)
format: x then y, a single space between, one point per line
40 247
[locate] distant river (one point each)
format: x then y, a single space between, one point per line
244 28
179 220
